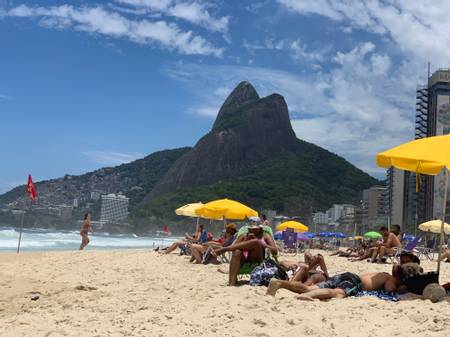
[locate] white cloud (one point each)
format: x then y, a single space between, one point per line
418 28
111 158
151 4
191 11
97 20
298 51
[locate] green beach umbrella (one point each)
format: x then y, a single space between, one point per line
373 235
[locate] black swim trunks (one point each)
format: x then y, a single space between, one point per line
349 282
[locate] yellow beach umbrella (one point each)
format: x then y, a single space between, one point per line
427 155
189 210
226 209
357 237
295 225
434 226
430 156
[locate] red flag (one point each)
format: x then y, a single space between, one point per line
31 190
166 229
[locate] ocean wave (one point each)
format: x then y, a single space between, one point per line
43 240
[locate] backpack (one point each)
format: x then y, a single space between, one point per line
267 270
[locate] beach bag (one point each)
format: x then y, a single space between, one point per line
267 270
417 283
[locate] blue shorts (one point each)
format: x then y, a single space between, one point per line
349 282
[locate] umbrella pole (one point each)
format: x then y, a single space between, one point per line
441 237
198 223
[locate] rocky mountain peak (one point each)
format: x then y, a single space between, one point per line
241 95
247 131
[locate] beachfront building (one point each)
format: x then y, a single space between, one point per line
320 218
374 207
422 197
114 208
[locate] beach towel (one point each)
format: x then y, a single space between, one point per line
381 294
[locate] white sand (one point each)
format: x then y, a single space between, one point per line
139 293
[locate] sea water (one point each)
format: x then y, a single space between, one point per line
47 240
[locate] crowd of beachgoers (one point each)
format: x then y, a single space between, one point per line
252 250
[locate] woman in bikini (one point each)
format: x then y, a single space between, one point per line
249 247
84 231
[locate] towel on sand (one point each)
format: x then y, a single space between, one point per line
381 294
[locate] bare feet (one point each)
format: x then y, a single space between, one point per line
273 287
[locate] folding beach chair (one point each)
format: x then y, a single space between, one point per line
427 251
410 247
290 244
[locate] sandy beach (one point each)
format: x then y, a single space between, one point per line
140 293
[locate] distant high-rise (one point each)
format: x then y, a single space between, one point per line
374 206
423 195
114 208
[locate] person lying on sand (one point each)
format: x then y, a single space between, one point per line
349 252
307 272
340 285
188 239
198 250
248 248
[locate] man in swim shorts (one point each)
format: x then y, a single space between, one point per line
339 286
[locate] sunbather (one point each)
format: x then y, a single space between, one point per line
339 286
349 252
248 248
307 272
390 241
188 239
198 250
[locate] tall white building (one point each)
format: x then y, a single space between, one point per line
320 218
114 208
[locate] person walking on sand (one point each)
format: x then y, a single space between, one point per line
84 231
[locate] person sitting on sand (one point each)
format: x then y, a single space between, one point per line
187 239
340 285
84 231
198 250
307 272
248 248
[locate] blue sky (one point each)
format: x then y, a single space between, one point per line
86 84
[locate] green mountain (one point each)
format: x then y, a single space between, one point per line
253 155
133 179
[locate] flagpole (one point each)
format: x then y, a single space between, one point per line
441 238
21 227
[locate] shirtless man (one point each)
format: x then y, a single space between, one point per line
390 241
339 286
247 248
84 231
